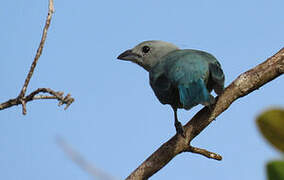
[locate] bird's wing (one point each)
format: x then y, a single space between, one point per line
161 85
181 77
217 76
188 70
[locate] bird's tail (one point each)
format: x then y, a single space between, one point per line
194 93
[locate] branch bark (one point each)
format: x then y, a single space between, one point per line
22 99
243 85
204 152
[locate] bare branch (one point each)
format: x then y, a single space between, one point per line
81 162
243 85
43 97
22 99
204 152
24 106
33 96
39 50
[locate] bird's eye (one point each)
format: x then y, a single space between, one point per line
145 49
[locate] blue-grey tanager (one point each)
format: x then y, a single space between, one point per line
182 78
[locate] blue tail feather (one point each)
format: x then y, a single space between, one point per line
193 93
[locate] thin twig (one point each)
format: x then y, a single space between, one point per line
39 50
246 83
81 162
24 106
204 152
33 96
44 97
22 99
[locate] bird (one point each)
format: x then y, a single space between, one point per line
182 78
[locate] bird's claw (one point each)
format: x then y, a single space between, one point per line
179 129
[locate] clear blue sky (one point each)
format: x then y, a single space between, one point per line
116 121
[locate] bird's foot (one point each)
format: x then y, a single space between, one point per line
211 103
179 129
210 107
212 100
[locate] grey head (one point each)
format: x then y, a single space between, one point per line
147 53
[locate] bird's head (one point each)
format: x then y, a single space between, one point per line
147 53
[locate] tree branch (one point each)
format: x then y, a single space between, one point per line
81 162
33 96
22 99
243 85
40 48
204 152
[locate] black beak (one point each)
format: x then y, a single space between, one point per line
128 55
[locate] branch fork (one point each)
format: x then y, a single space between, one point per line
22 99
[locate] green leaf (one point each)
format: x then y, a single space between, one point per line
275 170
271 125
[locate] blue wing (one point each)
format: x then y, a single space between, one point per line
181 78
217 76
162 86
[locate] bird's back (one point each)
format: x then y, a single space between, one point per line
181 78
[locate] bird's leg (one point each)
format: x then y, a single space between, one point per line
178 125
212 102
